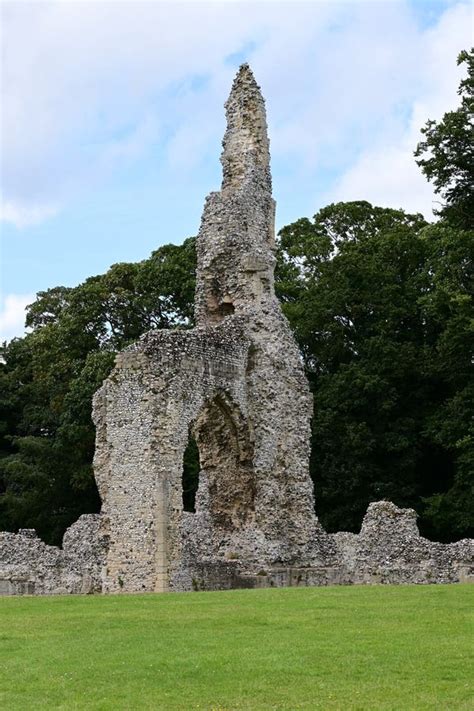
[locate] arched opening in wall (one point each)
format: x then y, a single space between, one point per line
226 459
190 478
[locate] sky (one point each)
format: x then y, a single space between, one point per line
112 118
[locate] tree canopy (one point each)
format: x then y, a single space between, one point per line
446 155
379 302
48 378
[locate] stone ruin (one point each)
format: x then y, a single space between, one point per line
236 383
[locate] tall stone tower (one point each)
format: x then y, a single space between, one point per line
236 240
236 383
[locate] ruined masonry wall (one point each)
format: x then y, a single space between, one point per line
236 381
29 566
389 550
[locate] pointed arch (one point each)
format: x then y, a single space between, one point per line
226 452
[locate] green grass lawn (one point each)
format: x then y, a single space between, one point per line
384 647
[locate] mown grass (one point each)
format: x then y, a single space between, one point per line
314 648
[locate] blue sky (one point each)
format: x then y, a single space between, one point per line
112 119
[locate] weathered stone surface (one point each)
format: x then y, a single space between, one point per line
389 549
236 381
29 566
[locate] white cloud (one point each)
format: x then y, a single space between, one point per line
79 78
90 88
387 177
386 174
25 215
12 315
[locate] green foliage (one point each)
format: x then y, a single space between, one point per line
47 380
114 309
446 155
190 478
380 304
448 310
375 648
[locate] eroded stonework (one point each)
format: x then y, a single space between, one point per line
29 566
236 382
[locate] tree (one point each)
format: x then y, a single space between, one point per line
446 155
48 378
447 311
375 297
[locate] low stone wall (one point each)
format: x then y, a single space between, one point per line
29 566
389 549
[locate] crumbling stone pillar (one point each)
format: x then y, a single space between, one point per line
236 381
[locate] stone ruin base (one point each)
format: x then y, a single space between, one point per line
388 550
30 567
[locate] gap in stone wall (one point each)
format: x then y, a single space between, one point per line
190 477
225 455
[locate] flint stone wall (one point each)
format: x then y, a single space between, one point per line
236 382
254 500
29 566
388 550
